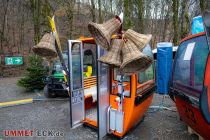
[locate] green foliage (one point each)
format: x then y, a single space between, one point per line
34 75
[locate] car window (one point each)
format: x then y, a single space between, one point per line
190 61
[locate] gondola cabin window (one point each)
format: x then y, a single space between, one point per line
89 60
189 66
126 83
76 67
146 75
145 80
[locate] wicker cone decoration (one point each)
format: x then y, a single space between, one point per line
46 47
113 57
140 40
133 59
102 32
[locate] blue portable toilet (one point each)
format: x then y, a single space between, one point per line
163 66
197 25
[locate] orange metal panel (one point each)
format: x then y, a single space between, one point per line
132 113
207 81
91 40
193 117
90 122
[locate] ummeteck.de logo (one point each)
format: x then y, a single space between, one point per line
32 133
18 133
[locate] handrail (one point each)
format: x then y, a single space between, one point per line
108 119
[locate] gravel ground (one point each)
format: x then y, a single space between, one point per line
54 116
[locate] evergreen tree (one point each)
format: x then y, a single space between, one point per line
35 73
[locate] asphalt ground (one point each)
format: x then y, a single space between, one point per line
9 91
52 117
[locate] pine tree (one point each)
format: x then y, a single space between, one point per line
35 73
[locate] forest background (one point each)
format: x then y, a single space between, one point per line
23 22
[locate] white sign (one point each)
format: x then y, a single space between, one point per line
189 50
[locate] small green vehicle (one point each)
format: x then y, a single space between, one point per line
55 81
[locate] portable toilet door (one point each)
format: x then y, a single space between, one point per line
76 80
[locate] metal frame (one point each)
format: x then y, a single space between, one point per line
102 129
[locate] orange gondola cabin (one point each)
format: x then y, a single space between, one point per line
94 94
190 83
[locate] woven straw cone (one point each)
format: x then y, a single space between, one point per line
140 40
134 61
102 32
113 57
46 47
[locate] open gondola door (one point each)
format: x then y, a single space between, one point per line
78 112
75 66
